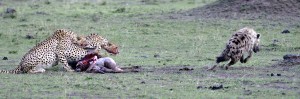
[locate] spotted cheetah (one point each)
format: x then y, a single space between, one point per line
72 53
44 54
244 41
98 42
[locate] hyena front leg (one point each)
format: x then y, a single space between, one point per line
242 60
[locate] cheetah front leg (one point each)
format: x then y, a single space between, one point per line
64 61
37 70
33 68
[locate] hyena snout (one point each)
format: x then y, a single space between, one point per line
256 49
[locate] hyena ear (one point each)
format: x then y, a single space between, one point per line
257 36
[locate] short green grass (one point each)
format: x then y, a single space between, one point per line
133 25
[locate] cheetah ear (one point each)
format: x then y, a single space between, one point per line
257 36
92 34
79 37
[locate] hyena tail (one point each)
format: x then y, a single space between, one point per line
224 56
220 59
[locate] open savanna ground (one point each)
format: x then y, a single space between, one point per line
169 46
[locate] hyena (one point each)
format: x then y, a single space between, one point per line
244 41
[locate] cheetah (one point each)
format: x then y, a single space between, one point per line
244 41
70 54
44 54
98 42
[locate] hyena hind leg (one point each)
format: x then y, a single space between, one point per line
219 59
232 61
244 60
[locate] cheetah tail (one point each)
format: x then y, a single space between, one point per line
14 71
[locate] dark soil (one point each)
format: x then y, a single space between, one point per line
29 36
289 60
4 58
247 9
283 74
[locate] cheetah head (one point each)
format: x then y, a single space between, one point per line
256 46
111 48
96 41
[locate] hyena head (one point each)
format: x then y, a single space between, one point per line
256 46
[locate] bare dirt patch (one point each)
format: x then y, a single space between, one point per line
280 77
289 60
168 69
245 9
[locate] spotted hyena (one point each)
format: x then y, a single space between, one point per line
244 41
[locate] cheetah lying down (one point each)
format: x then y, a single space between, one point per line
63 46
44 54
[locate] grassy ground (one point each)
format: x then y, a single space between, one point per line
149 38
